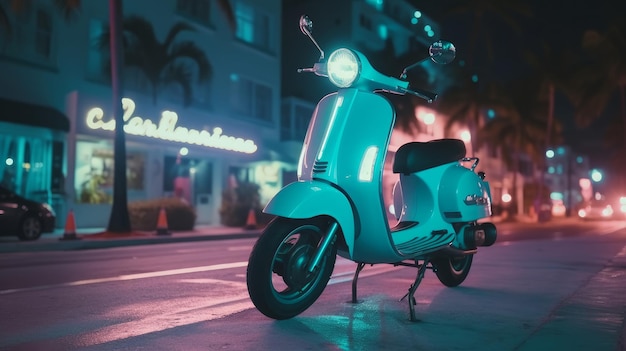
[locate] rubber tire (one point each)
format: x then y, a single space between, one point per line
29 229
452 271
269 301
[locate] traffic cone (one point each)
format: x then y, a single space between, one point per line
70 228
161 228
251 220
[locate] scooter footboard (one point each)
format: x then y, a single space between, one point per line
307 199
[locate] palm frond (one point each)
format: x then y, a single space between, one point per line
191 51
69 8
162 63
139 31
181 75
175 31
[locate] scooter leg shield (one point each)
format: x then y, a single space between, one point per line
308 199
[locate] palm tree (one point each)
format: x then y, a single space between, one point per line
119 221
603 79
606 73
484 16
465 101
554 70
519 126
162 63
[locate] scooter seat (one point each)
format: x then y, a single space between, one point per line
418 156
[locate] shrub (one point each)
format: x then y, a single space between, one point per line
144 215
237 202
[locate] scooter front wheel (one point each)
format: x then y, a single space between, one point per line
452 271
279 283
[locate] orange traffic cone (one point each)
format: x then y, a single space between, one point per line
70 228
161 228
251 220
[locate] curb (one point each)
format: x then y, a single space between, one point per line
86 243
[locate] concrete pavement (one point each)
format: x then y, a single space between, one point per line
95 238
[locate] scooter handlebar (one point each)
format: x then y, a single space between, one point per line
318 68
424 94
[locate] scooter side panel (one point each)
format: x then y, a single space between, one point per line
307 199
464 197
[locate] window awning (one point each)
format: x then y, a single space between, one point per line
13 111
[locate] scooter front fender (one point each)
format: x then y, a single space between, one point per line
307 199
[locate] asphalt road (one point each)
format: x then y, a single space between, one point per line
557 286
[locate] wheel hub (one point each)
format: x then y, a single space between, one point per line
295 273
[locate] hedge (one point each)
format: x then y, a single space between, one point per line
144 215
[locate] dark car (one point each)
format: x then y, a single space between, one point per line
24 218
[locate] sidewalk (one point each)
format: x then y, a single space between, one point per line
92 238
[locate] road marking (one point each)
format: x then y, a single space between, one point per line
190 311
338 278
181 312
240 248
215 267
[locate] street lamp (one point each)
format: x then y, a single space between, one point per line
429 121
596 175
466 136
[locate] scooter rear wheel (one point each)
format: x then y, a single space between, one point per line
279 284
452 271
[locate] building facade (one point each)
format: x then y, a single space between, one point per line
568 178
186 139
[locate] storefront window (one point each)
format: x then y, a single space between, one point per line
187 178
9 165
24 167
94 172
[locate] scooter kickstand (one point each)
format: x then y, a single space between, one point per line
411 294
358 270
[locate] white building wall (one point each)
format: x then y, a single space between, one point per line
50 84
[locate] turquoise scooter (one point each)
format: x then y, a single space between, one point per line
336 207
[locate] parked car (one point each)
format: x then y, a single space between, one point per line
24 218
596 209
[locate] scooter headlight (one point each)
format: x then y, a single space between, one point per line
343 67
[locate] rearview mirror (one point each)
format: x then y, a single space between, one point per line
306 25
442 52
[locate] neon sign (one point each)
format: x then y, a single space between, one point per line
167 129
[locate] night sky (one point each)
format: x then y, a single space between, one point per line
559 23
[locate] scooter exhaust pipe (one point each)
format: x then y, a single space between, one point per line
484 234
